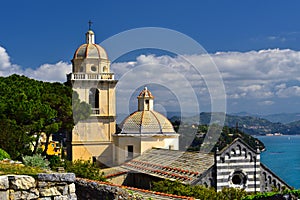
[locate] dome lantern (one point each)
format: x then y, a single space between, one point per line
90 37
145 100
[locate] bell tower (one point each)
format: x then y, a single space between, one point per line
91 78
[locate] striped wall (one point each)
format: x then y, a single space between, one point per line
238 166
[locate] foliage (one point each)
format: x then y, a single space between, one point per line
4 154
54 161
36 160
13 139
81 110
84 169
7 168
294 192
231 194
28 108
197 191
272 194
227 136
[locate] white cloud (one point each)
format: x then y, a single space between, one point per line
266 103
50 72
6 67
277 38
46 72
288 92
253 74
256 75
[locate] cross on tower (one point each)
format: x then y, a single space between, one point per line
90 24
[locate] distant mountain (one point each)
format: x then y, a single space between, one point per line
294 127
252 125
244 114
280 117
283 117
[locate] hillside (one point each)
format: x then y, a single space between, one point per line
283 118
253 125
227 136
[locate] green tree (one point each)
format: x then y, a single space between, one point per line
29 108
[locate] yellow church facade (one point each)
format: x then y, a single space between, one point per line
95 138
91 139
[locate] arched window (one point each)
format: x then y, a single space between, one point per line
105 69
81 69
94 97
239 150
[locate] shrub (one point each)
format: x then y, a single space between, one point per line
177 188
4 154
84 169
36 160
8 168
231 194
294 192
272 195
197 191
55 162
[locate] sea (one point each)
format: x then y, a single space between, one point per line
282 156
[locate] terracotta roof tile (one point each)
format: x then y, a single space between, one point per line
177 165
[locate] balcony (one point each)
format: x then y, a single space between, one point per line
101 76
95 112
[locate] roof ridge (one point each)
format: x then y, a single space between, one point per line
160 127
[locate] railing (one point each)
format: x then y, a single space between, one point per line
95 111
101 76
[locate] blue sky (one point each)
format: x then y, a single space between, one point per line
255 44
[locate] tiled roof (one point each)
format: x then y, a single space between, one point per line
113 171
175 165
146 122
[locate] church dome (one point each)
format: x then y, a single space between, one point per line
90 49
146 122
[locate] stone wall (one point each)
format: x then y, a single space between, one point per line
93 190
57 186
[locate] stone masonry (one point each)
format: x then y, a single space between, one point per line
56 186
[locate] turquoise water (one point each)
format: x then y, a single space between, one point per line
283 157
